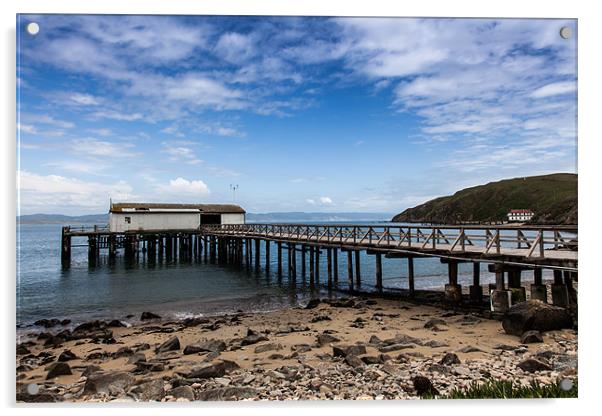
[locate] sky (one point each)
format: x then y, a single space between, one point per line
300 114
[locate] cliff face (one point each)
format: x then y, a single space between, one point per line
553 199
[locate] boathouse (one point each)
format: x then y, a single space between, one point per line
127 216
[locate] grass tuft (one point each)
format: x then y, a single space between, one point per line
498 389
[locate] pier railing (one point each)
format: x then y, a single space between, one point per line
524 241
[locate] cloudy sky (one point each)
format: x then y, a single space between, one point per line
303 114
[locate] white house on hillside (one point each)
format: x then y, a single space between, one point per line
520 215
150 217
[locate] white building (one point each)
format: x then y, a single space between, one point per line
150 217
520 215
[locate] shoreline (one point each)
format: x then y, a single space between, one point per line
289 354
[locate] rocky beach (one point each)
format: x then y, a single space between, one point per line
354 348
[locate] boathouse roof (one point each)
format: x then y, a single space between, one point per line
206 208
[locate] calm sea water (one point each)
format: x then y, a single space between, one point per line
80 293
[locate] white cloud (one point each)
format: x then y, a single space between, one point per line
185 186
116 115
235 47
320 201
181 154
324 200
93 147
84 99
556 88
44 193
102 132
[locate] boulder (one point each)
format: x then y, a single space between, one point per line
253 339
449 359
172 344
145 366
424 386
108 382
148 315
212 345
182 392
47 323
531 337
22 350
324 339
535 315
432 323
116 323
209 370
136 358
395 347
148 391
227 393
271 346
90 369
66 355
58 369
531 365
345 350
123 352
354 361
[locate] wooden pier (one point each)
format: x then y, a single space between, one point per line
509 251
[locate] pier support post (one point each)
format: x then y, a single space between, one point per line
568 281
257 253
92 253
65 248
358 276
329 266
538 289
112 247
311 266
500 298
293 250
335 265
411 287
303 260
514 282
205 248
267 256
560 293
476 290
279 245
453 291
160 247
379 272
317 268
350 270
168 248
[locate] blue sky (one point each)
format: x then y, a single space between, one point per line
304 114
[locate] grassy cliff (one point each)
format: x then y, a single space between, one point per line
553 199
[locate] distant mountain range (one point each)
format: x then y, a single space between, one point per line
251 217
552 198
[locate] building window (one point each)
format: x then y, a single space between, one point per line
128 220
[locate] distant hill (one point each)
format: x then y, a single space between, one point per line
553 199
251 217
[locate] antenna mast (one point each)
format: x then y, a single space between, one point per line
233 188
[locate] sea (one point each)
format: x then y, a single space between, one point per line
122 290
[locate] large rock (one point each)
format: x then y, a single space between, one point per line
345 350
148 315
171 344
450 359
148 391
531 337
228 393
66 355
535 315
182 392
212 345
324 339
253 339
209 370
114 383
531 365
271 346
58 369
424 386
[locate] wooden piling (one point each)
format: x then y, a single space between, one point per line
379 272
350 269
303 249
411 288
317 268
358 277
329 266
335 265
311 266
293 250
65 248
257 254
279 245
267 256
